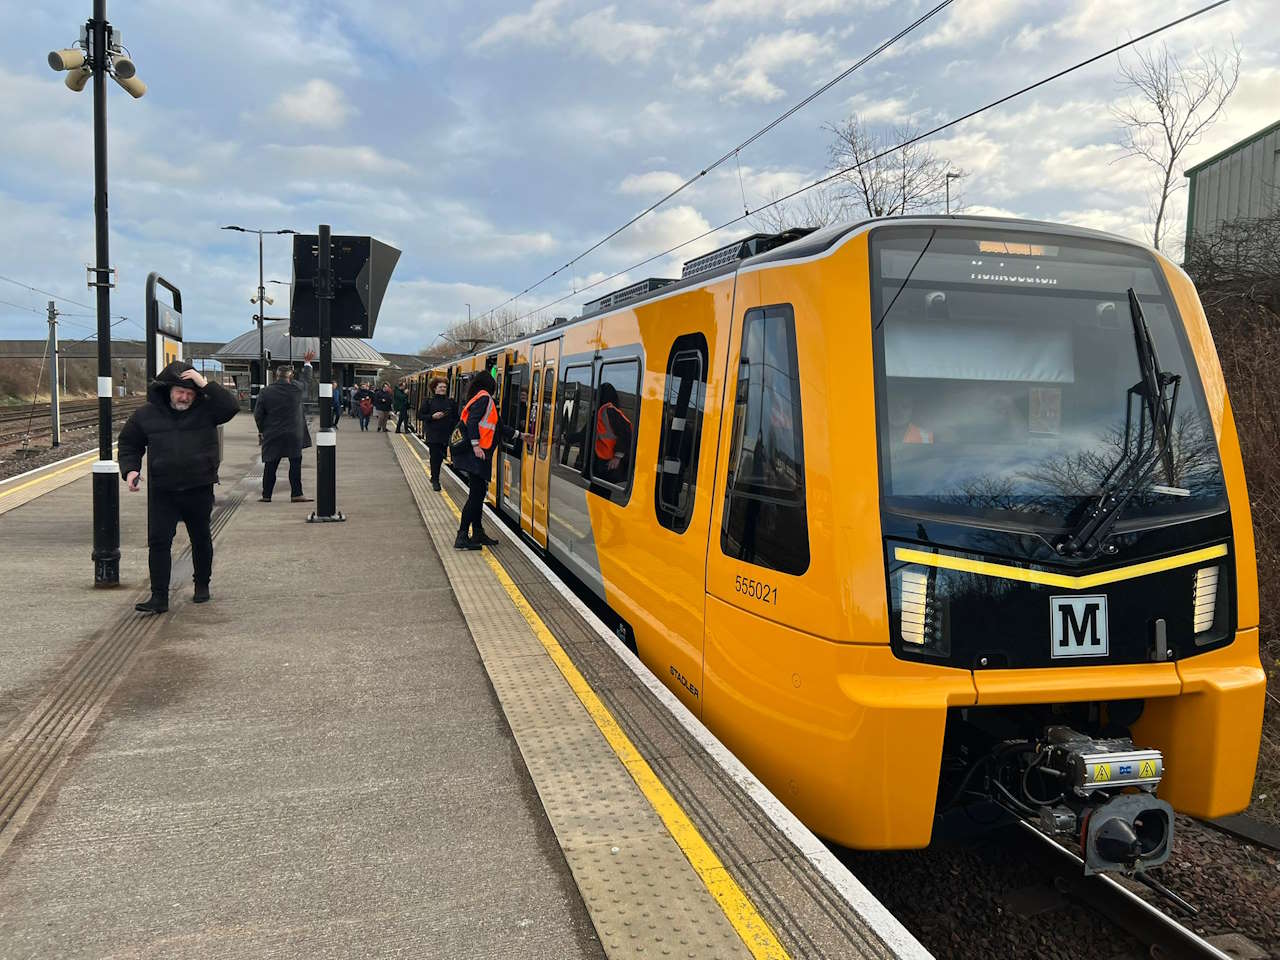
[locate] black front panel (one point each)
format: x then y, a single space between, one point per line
975 619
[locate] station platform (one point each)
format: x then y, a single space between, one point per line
367 744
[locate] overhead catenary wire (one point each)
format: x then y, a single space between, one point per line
732 152
884 153
27 286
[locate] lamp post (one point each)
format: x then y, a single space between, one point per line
255 388
949 178
100 53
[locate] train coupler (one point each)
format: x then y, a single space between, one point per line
1098 791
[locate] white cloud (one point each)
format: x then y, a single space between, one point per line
317 103
650 184
720 10
603 34
321 159
750 75
963 25
536 25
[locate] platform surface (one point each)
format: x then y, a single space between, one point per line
368 744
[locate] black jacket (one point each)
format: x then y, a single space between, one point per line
183 446
382 400
470 463
437 431
280 420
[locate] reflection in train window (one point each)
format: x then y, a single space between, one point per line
684 399
614 432
765 518
575 416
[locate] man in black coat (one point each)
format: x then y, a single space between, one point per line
282 428
178 426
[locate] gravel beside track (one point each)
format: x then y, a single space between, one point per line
976 893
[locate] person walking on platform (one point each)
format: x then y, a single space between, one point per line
282 428
473 455
362 405
438 413
382 401
178 425
400 403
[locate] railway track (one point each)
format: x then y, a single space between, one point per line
76 415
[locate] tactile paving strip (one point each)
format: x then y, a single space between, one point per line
642 893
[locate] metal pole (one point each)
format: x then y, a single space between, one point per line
948 196
54 418
262 352
106 483
327 438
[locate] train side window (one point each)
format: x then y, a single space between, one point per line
530 416
683 402
765 519
614 428
575 405
544 438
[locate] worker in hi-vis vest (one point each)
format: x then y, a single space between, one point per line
613 437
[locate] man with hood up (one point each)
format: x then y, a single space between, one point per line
282 428
178 427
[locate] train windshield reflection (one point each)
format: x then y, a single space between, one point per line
1003 367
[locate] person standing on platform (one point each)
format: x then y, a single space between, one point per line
178 425
473 455
438 413
362 405
282 428
400 403
382 401
336 400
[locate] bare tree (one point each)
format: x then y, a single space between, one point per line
1170 106
495 326
884 182
818 207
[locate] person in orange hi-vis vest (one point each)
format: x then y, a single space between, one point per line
613 437
480 429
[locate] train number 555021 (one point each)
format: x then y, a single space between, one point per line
756 589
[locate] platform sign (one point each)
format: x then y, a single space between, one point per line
164 327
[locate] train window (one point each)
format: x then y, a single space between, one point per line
614 429
575 405
683 402
765 520
544 436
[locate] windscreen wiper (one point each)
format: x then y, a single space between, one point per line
1156 394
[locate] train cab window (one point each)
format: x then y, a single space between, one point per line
614 428
544 436
684 398
575 417
765 519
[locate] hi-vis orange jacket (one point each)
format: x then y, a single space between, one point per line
606 436
488 425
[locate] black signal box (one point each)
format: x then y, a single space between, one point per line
361 268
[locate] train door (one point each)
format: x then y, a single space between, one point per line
515 406
542 440
537 359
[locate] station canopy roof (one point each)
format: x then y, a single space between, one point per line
276 340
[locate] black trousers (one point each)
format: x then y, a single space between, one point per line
473 509
165 508
435 452
269 476
402 420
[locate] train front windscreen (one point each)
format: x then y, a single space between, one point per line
1006 364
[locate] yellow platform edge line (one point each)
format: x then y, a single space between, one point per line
754 930
80 461
1066 581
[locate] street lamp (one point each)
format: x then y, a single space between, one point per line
949 178
100 53
254 388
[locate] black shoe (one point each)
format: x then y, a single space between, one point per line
462 543
435 484
484 540
159 603
202 593
264 499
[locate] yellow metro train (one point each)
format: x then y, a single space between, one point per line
912 512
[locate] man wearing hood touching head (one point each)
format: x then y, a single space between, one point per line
178 427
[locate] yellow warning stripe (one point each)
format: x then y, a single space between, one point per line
80 461
738 909
1057 579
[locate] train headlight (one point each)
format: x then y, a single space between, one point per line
920 611
1205 599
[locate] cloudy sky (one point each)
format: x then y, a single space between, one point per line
493 141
